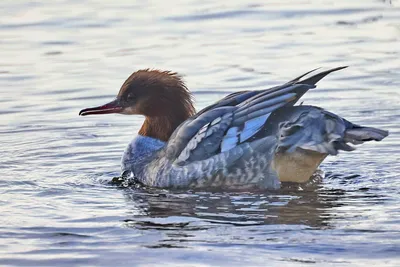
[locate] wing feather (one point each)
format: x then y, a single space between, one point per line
235 119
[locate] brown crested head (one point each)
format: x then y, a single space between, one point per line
161 96
155 93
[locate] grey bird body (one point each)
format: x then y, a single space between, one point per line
248 140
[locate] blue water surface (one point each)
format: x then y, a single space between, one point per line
57 206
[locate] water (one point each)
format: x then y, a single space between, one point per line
57 206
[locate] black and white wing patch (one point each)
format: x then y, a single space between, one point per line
207 140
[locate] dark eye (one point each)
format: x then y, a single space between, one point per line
131 97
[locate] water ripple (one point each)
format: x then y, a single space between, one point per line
58 203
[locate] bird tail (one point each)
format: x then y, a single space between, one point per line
314 129
359 134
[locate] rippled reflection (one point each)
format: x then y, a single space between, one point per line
306 205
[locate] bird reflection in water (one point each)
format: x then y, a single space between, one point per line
179 219
307 205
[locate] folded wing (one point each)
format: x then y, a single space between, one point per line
234 119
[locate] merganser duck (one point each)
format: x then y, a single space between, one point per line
247 140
